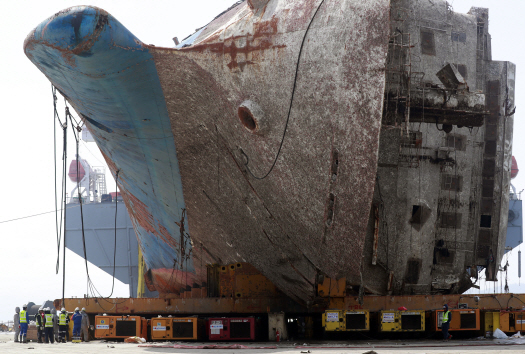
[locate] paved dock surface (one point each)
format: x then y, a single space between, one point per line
471 346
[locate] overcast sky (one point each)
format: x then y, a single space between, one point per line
28 247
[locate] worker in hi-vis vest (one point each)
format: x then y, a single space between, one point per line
23 324
48 326
39 322
445 324
63 321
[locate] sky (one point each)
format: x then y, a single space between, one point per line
28 247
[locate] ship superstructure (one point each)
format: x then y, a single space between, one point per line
439 214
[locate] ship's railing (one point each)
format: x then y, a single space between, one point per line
85 200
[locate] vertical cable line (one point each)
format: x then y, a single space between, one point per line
64 166
58 224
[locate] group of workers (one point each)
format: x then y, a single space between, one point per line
50 325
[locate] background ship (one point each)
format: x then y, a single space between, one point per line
365 143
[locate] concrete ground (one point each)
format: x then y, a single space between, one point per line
472 346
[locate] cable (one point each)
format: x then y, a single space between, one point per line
92 154
291 104
31 216
63 184
53 91
64 164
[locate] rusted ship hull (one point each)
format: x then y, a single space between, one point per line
257 141
289 225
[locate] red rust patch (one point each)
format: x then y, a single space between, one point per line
172 280
261 29
266 28
166 237
139 210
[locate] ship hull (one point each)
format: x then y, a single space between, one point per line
173 123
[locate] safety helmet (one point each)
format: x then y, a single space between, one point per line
77 309
83 309
24 306
63 309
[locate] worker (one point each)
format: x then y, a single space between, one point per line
63 321
445 323
23 324
16 323
77 324
85 324
48 325
39 322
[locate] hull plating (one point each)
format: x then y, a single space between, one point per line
188 128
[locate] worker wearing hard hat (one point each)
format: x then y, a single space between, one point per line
85 325
23 324
77 324
16 323
63 321
39 322
48 326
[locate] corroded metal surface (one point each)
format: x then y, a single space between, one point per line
444 165
306 216
257 140
322 61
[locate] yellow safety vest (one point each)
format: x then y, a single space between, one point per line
445 316
62 319
49 320
23 318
